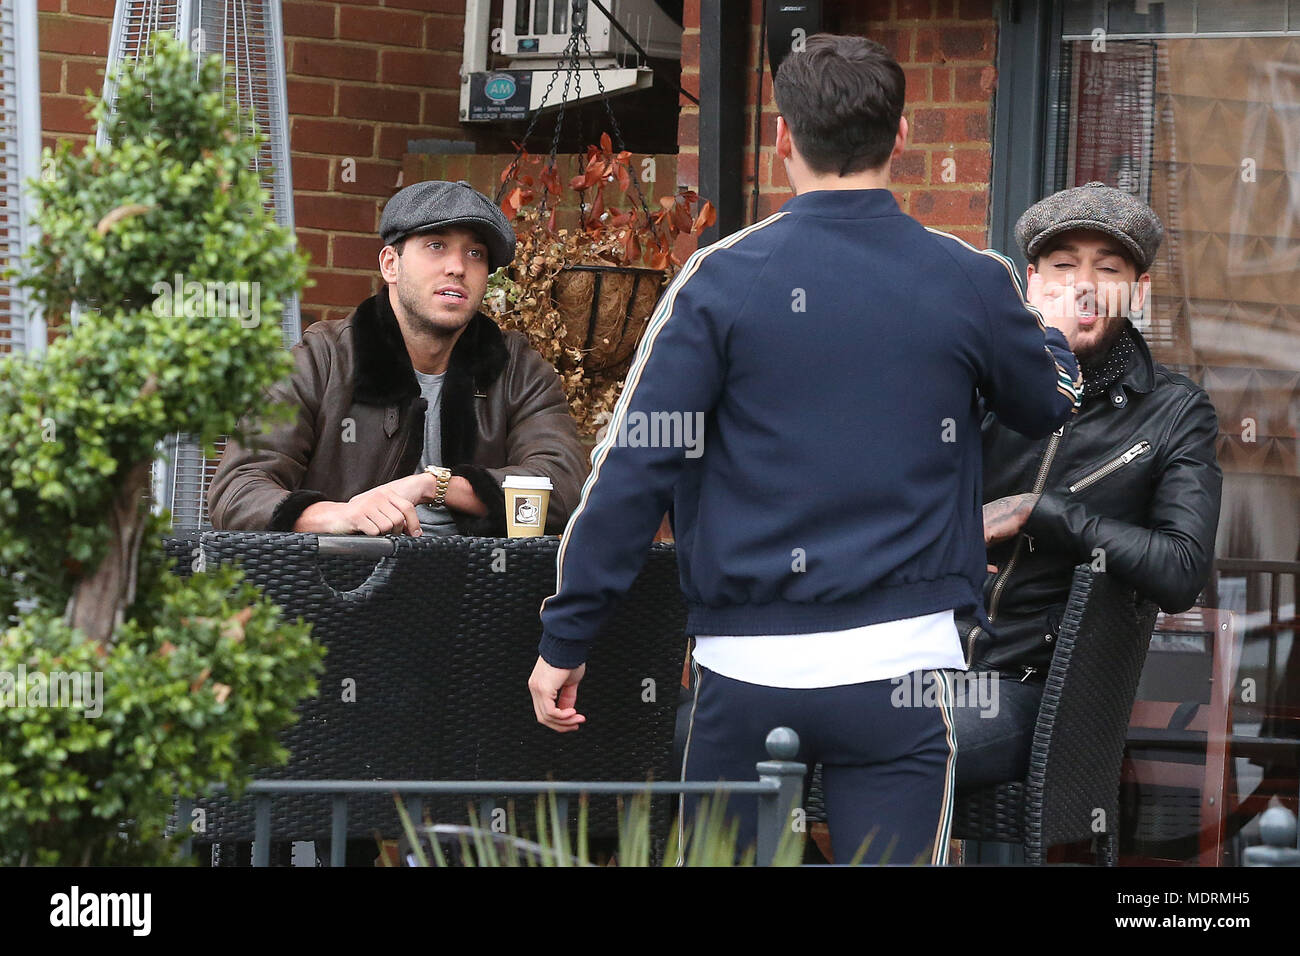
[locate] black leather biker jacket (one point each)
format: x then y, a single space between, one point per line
1131 484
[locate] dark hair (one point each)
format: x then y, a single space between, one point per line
842 97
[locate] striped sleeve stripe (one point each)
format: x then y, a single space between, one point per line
1071 388
663 312
943 832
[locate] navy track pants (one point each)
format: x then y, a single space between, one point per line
887 769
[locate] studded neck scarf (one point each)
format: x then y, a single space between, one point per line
1102 374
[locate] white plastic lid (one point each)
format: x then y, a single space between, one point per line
529 482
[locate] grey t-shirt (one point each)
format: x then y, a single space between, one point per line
433 520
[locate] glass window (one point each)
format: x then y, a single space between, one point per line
1207 130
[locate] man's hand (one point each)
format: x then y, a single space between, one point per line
386 509
1057 304
1005 517
555 692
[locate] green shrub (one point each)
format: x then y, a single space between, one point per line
199 675
192 693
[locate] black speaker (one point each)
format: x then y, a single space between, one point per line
789 23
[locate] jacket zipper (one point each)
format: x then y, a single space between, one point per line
1141 448
1039 482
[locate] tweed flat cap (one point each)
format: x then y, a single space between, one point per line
435 203
1127 219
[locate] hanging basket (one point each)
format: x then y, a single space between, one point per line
605 309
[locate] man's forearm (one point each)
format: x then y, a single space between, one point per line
1170 567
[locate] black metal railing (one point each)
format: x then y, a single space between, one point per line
778 789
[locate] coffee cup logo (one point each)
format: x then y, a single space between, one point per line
528 510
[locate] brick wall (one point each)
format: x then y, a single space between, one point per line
363 79
947 49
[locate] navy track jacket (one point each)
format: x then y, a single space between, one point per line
806 401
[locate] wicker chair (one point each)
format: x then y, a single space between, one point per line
438 640
1079 738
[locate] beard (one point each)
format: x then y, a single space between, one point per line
420 316
1097 351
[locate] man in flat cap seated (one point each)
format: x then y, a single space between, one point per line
1130 485
412 410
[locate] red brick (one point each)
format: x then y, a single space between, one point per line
310 173
975 9
343 61
691 52
356 252
341 288
954 43
688 169
927 126
60 34
425 69
65 114
308 18
334 137
915 10
93 8
941 84
391 106
367 178
396 27
455 167
484 172
974 124
908 168
973 165
393 140
950 207
315 244
688 129
445 33
438 6
974 83
691 14
51 75
439 109
310 98
918 84
85 75
334 212
897 42
52 6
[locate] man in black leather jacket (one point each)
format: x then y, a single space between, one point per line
1130 485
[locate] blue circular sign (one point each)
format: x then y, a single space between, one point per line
500 87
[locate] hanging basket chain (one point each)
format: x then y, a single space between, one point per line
513 169
570 57
571 65
617 134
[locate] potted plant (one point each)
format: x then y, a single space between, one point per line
123 685
583 295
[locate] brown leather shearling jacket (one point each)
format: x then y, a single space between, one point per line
360 423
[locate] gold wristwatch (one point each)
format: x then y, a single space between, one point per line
444 478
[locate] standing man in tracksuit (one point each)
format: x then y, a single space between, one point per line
830 524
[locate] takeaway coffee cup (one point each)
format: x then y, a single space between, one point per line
526 499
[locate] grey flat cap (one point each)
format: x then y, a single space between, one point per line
1127 219
435 203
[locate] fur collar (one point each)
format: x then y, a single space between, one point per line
382 372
